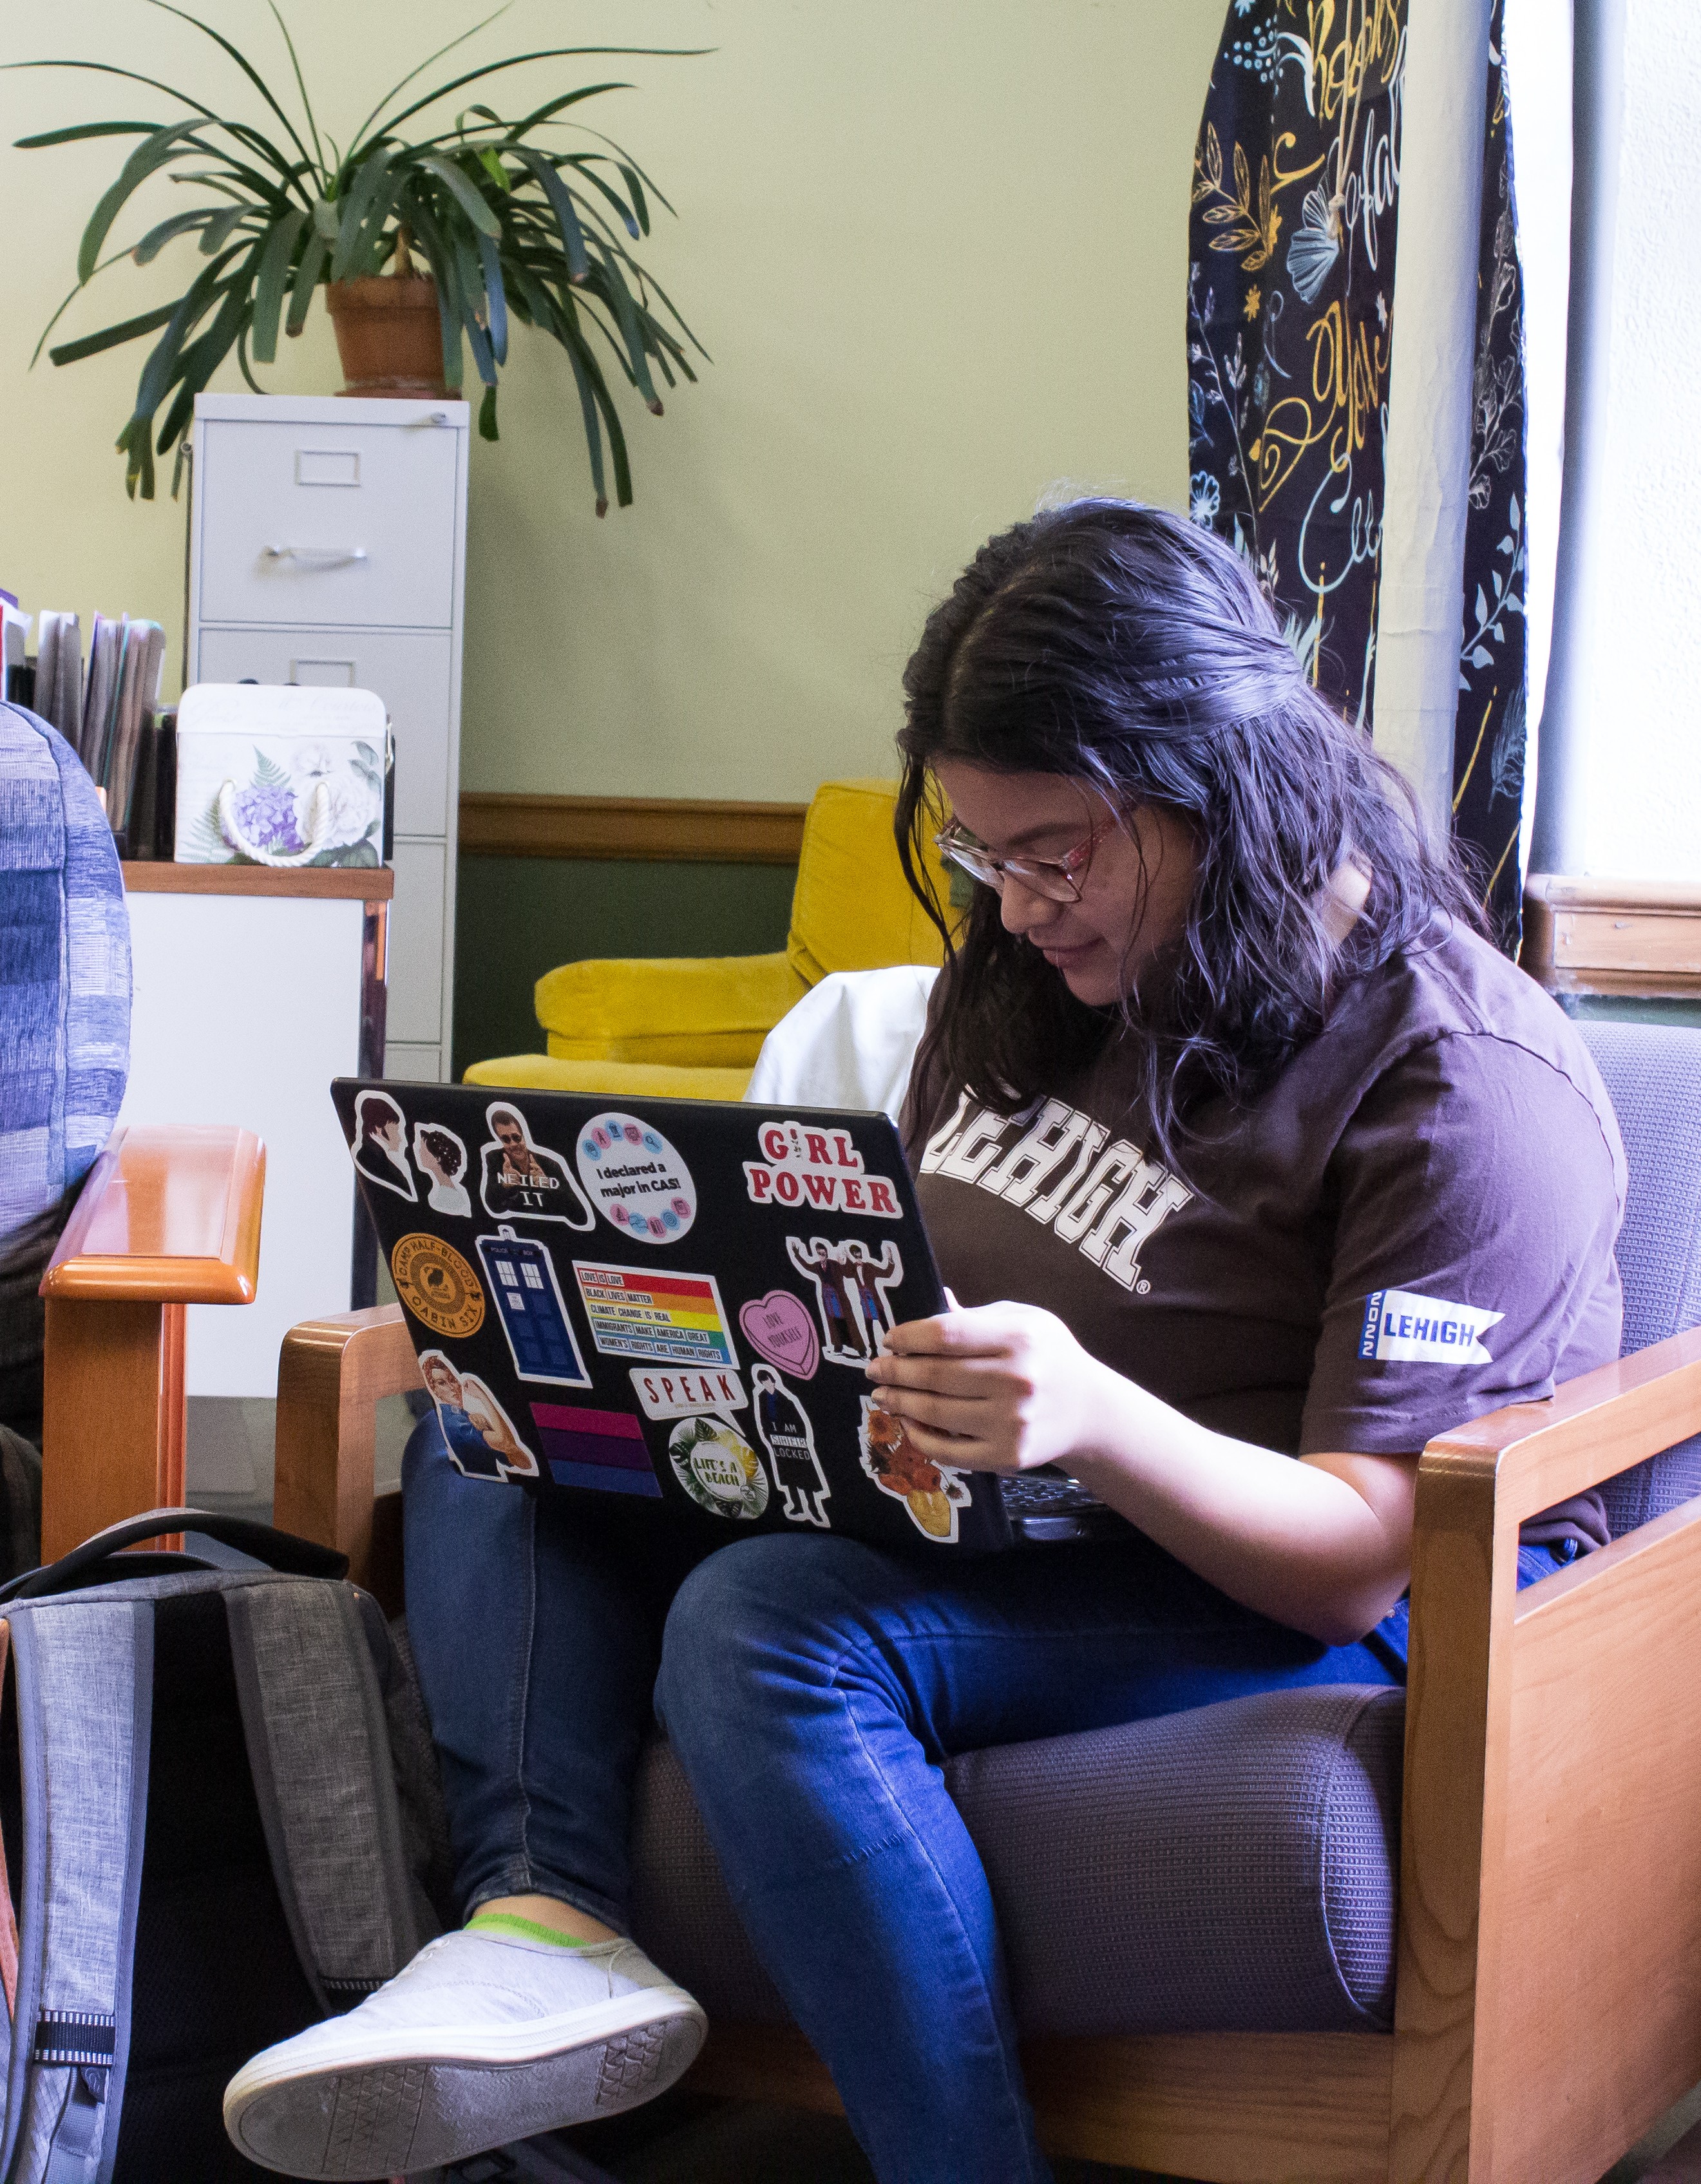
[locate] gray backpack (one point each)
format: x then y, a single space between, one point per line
218 1821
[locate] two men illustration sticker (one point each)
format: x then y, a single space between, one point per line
851 1294
477 1431
788 1438
523 1181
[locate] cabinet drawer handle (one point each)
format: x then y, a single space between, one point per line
316 557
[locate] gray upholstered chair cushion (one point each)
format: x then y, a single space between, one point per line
1652 1073
1232 1868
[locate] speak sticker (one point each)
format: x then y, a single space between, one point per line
635 1178
437 1285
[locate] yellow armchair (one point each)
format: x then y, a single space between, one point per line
692 1027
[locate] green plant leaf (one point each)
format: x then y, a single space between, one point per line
414 74
495 297
487 416
182 223
581 163
152 153
307 275
159 373
107 67
544 53
82 131
550 108
636 189
241 61
561 204
269 285
300 85
366 192
419 217
627 311
111 336
223 226
494 167
465 195
325 219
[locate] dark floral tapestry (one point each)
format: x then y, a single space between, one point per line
1492 729
1289 314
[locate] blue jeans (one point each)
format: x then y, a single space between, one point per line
811 1688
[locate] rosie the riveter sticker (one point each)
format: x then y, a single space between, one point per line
635 1178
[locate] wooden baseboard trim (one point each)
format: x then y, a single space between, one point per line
646 829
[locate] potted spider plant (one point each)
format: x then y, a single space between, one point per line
527 219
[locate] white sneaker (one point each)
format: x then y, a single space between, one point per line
478 2041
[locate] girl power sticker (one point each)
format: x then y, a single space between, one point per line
819 1168
635 1178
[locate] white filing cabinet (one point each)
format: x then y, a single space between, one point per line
327 543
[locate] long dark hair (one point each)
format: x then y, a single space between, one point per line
1126 649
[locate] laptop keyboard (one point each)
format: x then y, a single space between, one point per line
1045 1493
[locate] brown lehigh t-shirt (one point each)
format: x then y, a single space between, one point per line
1413 1225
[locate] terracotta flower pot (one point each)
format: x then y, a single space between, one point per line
388 334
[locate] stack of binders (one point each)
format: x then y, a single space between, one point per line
109 716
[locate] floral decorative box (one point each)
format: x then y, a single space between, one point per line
276 774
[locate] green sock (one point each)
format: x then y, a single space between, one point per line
507 1922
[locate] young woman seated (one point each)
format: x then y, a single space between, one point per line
1251 1166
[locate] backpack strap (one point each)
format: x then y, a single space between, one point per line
85 1692
320 1755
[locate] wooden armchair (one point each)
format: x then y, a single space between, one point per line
167 1217
1548 1994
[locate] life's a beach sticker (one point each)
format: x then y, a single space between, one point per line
801 1166
636 1179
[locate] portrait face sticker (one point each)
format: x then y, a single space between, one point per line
666 1318
933 1493
788 1438
437 1285
852 1285
635 1178
520 1180
779 1326
380 1144
532 1309
477 1431
441 1158
717 1467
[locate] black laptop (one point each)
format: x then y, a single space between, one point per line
674 1300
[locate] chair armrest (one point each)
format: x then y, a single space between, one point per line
169 1216
703 1011
331 1375
1591 1428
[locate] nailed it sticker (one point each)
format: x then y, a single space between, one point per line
802 1166
667 1318
779 1326
1400 1325
636 1179
678 1392
437 1285
717 1467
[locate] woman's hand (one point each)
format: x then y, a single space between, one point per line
1001 1387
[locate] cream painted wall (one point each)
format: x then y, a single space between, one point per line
937 249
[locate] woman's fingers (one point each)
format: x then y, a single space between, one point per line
979 1378
986 1331
955 1451
951 1414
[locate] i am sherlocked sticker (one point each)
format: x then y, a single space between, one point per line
1403 1327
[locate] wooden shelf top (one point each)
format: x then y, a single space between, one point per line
349 882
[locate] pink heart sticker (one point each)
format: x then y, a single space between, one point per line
780 1328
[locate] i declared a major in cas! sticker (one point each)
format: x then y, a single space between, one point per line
437 1285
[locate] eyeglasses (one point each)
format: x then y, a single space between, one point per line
1058 879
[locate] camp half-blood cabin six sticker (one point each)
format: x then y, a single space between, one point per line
636 1179
801 1166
